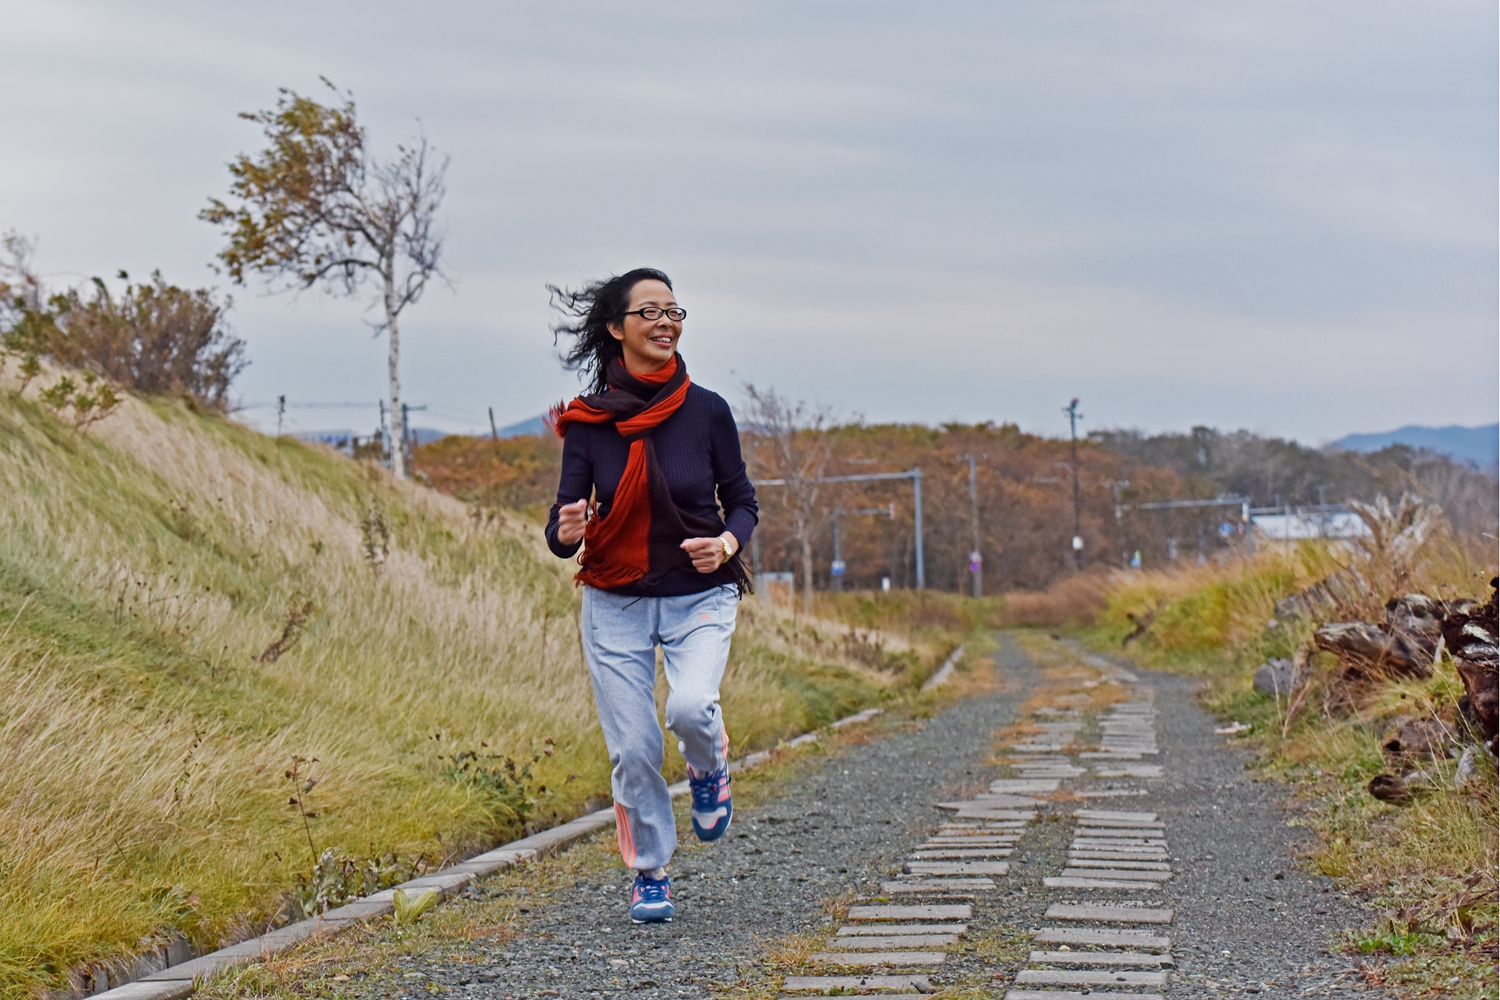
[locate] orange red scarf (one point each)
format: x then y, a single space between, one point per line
639 536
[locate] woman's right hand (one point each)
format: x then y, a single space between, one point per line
572 519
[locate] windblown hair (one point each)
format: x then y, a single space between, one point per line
589 311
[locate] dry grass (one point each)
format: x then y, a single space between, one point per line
147 570
911 613
793 952
1073 601
1430 866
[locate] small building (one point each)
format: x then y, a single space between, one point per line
1296 525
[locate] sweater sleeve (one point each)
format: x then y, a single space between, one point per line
576 483
736 492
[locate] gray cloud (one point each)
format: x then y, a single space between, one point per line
1279 216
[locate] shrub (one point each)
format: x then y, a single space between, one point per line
152 338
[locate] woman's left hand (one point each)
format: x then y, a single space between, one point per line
708 554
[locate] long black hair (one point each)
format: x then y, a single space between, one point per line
590 310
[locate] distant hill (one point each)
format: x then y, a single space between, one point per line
427 435
1479 445
340 438
536 425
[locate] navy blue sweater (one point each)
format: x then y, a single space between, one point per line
699 451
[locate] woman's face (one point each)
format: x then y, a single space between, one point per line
648 344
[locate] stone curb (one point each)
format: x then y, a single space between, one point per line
945 672
179 981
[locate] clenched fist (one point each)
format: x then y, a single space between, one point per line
572 519
708 554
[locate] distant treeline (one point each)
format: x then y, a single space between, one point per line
1025 495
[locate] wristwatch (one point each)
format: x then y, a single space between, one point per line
728 552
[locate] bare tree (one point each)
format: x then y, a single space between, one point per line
313 207
790 442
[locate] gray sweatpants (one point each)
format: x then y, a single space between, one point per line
620 636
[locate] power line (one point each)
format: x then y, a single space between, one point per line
915 475
306 406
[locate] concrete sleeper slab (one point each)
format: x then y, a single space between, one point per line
878 958
1125 874
1146 940
1103 913
1059 977
886 929
963 852
1125 863
921 984
1104 959
958 867
948 886
939 911
858 942
1069 882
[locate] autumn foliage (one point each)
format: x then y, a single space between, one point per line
510 472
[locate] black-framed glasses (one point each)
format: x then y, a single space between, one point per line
651 313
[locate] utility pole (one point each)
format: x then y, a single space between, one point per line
1073 417
409 438
405 443
1117 485
839 566
837 569
384 435
976 560
916 482
494 435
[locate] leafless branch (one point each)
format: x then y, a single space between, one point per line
790 441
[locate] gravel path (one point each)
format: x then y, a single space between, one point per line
1245 916
835 831
1243 920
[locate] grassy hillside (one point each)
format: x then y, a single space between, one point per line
225 657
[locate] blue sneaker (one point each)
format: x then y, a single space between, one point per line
650 900
712 806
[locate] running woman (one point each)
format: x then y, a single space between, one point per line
649 458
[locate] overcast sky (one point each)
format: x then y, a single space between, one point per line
1276 216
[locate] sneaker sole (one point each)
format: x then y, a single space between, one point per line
716 836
